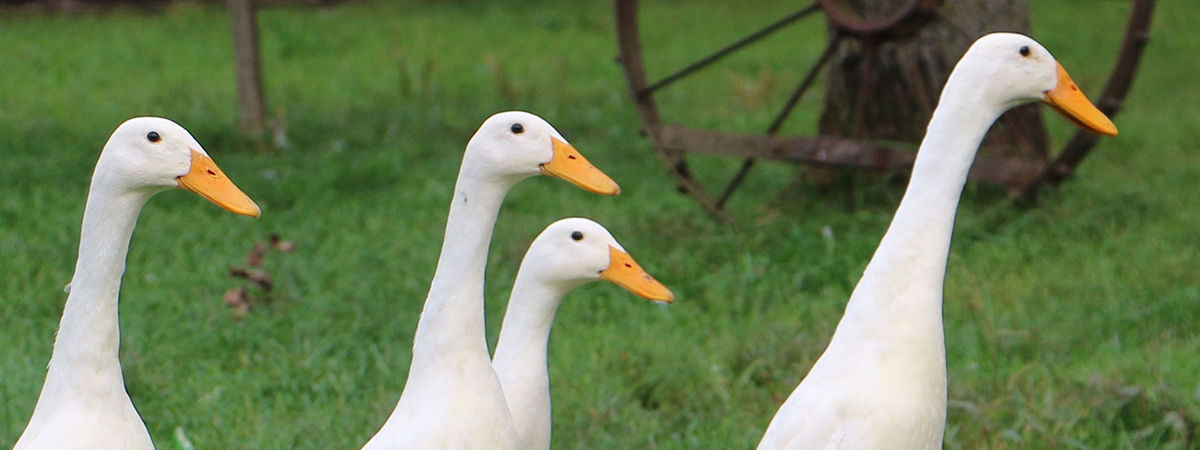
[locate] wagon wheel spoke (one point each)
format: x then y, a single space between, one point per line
804 85
905 19
782 116
735 182
1137 35
630 57
719 54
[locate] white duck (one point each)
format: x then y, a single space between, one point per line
881 383
452 398
569 253
83 404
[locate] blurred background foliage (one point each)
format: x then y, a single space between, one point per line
1069 325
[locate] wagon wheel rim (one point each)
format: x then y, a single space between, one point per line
782 117
672 143
1120 81
902 22
629 43
641 91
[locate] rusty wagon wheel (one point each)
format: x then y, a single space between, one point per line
673 142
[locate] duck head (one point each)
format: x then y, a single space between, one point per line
152 154
1011 69
514 145
575 251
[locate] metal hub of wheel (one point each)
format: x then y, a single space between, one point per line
902 23
673 142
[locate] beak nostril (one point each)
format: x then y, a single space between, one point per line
212 173
629 266
571 157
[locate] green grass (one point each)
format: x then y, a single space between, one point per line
1072 325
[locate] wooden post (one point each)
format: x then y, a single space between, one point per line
910 75
246 65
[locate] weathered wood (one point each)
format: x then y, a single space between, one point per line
815 70
892 60
629 44
836 152
251 109
900 20
728 50
1137 35
892 95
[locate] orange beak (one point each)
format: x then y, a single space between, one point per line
625 272
569 165
1067 99
206 179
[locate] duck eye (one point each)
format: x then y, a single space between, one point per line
577 236
153 136
517 128
1025 50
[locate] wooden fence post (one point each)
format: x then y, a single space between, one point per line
246 65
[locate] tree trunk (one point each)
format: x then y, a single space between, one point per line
907 78
251 111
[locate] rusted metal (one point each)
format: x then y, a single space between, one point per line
909 18
804 85
672 143
807 82
835 152
905 22
736 181
629 45
719 54
1137 35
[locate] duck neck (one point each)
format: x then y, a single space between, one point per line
906 275
86 347
521 361
525 332
452 322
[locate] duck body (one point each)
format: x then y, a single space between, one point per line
83 403
111 416
882 383
452 398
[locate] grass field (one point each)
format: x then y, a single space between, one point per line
1073 325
